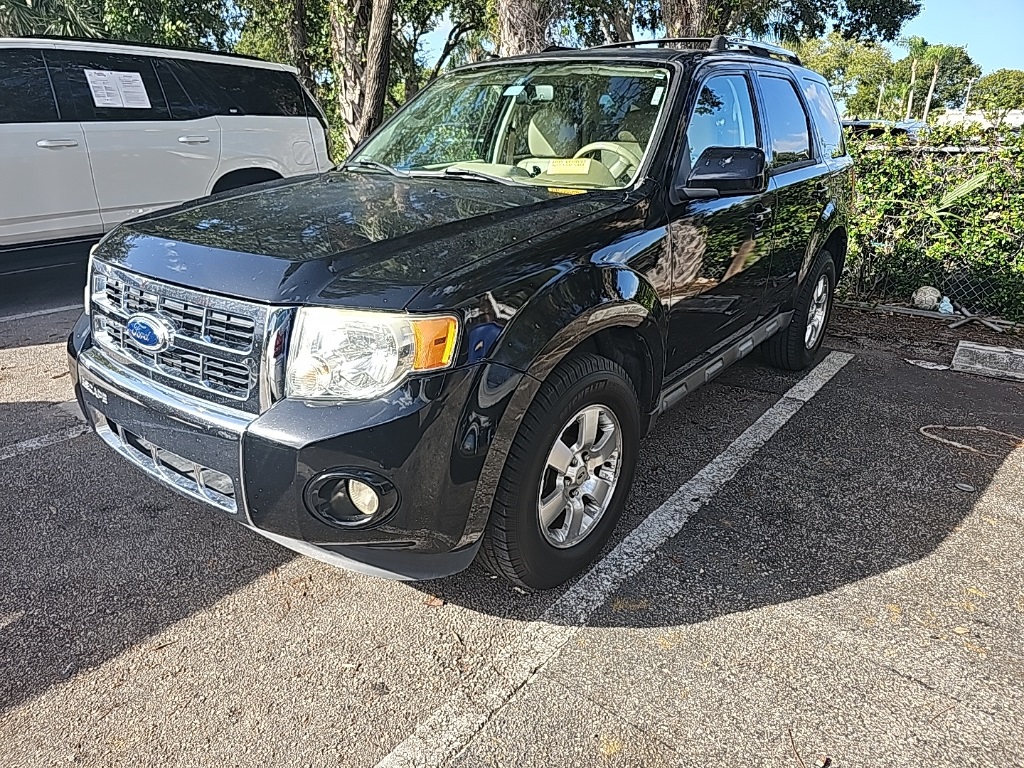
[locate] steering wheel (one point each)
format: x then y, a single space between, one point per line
626 158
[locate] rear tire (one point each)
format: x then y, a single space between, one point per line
530 539
795 347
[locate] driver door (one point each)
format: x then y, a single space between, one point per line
721 247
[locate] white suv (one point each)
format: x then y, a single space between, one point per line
92 134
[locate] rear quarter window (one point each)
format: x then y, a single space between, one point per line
245 90
826 117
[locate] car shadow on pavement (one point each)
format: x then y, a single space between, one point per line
850 489
96 558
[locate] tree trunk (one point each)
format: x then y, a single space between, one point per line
913 80
349 22
378 66
931 93
623 20
361 44
685 18
298 43
523 26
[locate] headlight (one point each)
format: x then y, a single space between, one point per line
340 354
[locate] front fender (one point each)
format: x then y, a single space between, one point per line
574 307
560 318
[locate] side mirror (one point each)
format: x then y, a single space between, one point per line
728 171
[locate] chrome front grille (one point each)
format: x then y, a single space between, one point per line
217 348
219 328
204 371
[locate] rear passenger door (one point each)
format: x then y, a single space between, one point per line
797 177
46 190
263 115
144 156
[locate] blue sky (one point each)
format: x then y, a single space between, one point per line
992 31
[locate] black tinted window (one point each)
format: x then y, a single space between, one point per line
25 92
113 87
826 118
787 122
252 90
187 98
722 117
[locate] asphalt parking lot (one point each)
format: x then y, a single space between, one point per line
798 579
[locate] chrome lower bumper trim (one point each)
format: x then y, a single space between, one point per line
181 474
187 444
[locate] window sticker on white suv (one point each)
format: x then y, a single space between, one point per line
124 90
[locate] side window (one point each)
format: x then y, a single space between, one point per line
787 123
252 90
723 116
25 92
186 97
826 118
113 87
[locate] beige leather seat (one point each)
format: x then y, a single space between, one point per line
551 134
636 128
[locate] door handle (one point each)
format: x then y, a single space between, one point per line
193 139
56 143
760 215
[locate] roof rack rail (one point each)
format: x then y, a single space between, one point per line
718 43
158 46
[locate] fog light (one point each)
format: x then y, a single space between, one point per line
363 497
351 497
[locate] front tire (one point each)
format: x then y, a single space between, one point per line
795 347
566 477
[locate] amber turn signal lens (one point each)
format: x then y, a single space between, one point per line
435 342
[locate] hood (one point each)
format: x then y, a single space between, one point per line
347 238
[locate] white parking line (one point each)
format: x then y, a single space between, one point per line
38 269
44 441
40 313
452 727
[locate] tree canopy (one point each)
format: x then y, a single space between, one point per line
363 58
998 93
848 65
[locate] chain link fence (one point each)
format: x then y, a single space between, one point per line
947 212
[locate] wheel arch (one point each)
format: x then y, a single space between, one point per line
243 177
837 244
829 231
622 319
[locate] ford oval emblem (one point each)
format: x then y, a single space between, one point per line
151 333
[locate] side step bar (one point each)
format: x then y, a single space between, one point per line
701 375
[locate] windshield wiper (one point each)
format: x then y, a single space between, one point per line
375 164
469 173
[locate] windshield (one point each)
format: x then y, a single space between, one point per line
560 125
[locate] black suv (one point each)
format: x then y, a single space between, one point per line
451 346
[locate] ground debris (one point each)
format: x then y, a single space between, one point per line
1016 440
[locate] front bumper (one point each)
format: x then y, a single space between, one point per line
429 438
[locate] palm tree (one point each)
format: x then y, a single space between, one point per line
67 18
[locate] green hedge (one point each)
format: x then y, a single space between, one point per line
946 211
